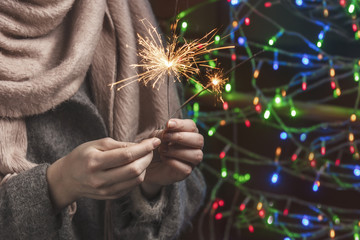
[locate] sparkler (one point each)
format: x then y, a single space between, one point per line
217 80
159 62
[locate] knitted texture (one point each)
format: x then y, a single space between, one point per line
47 48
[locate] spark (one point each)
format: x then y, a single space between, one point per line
217 82
159 60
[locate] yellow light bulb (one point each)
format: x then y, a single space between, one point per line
256 73
235 24
332 72
311 156
353 117
259 206
332 233
278 151
338 91
256 100
351 137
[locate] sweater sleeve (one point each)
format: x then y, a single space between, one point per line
172 211
26 210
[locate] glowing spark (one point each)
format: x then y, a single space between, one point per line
158 61
217 82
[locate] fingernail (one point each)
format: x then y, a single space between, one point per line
171 124
156 142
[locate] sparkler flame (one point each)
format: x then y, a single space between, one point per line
157 62
217 82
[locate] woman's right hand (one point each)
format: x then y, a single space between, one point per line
101 169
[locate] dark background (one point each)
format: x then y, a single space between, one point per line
259 138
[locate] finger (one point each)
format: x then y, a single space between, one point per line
106 144
119 189
122 156
179 170
126 172
181 125
189 155
189 139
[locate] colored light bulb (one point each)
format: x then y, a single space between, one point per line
262 213
241 41
228 87
184 25
217 39
353 117
299 2
274 178
357 171
218 216
242 207
211 131
267 114
332 233
305 221
283 135
305 60
351 8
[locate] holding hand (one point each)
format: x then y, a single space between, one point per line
101 169
180 151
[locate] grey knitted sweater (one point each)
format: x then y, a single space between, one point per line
25 208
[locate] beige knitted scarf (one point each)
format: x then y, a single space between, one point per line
46 49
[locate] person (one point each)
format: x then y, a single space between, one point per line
79 160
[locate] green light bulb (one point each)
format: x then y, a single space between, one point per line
356 76
217 39
293 112
211 131
228 87
356 236
184 25
267 114
196 107
351 8
223 173
319 44
277 99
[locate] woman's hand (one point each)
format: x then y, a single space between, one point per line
180 151
101 169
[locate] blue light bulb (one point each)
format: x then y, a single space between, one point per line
283 135
299 2
274 178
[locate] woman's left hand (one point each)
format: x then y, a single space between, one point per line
180 151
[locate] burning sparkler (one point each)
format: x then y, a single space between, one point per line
217 80
159 62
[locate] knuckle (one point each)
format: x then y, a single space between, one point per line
96 183
178 136
104 192
135 170
107 142
128 155
92 164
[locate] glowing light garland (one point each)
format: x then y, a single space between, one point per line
323 152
